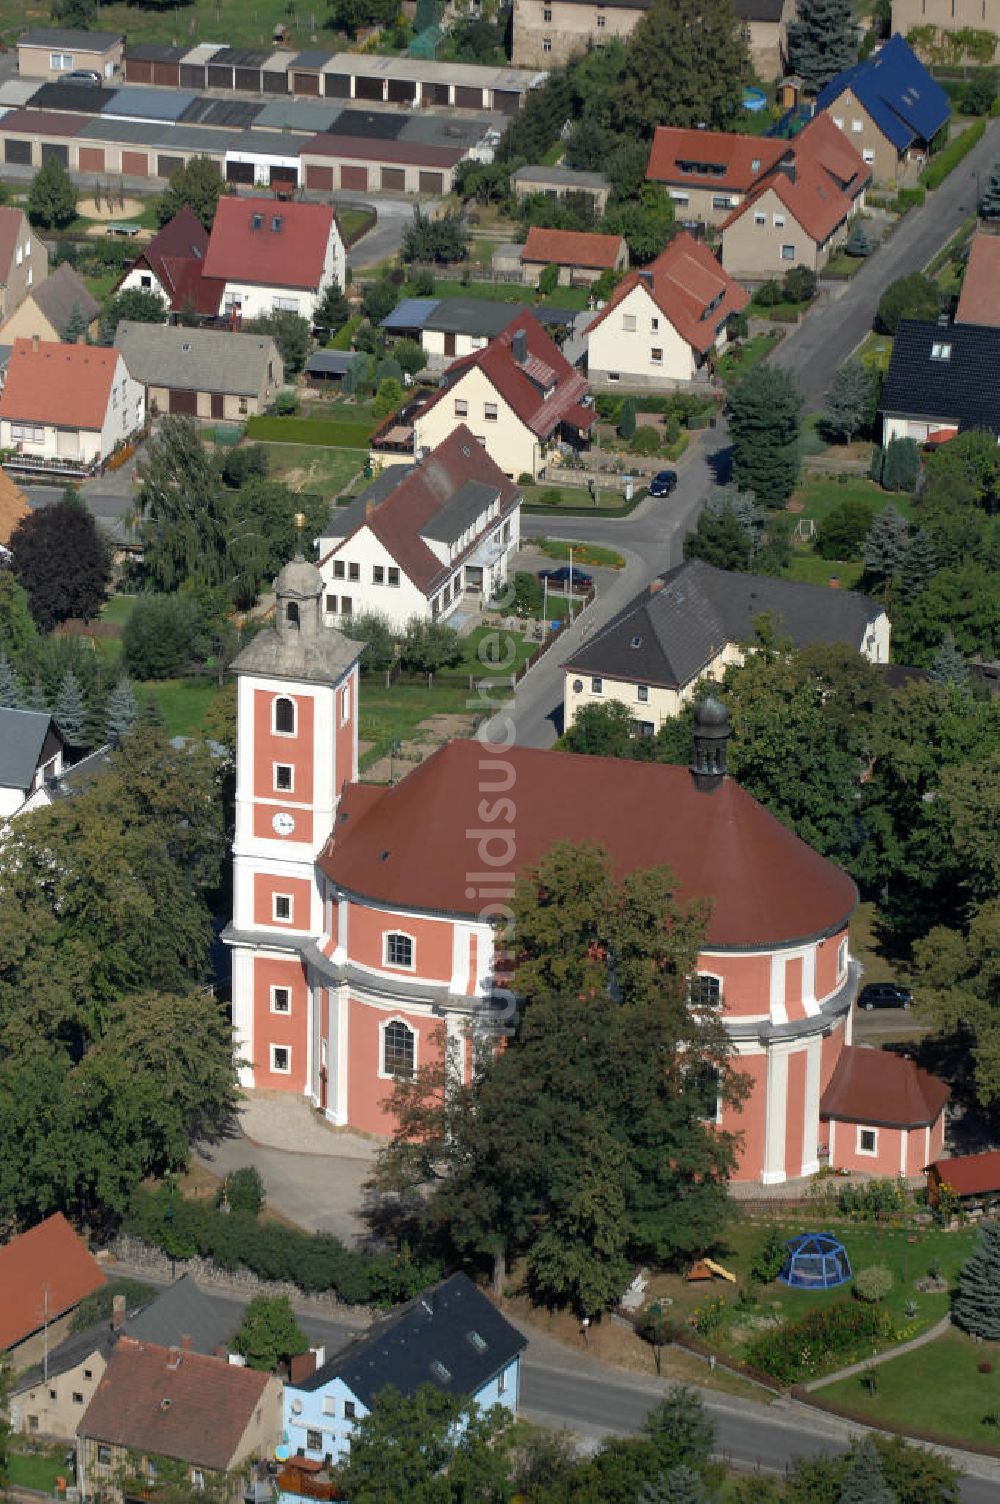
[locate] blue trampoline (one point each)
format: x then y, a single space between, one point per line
816 1261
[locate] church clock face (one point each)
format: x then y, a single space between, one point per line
283 823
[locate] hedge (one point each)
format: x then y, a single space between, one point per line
316 1262
344 337
325 431
940 165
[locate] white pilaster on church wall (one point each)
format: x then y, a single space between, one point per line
775 1126
810 1121
336 1105
779 1014
242 1010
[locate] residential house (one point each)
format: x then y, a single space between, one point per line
708 174
557 182
581 258
203 373
67 407
273 257
172 264
152 1403
46 1271
13 509
519 396
449 328
663 323
889 107
53 51
979 299
942 378
946 17
53 307
422 538
969 1176
885 1115
799 214
24 261
51 1398
763 26
695 620
547 33
450 1336
31 751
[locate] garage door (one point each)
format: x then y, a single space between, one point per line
167 166
91 158
402 90
168 75
368 88
220 76
239 172
306 83
184 402
506 101
283 177
468 99
434 93
393 180
135 164
53 152
337 85
431 182
138 71
320 178
247 79
218 402
67 442
192 75
274 83
354 177
17 151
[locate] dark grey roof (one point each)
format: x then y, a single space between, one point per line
68 36
312 57
155 52
460 511
758 10
81 776
22 737
241 57
183 1311
310 116
237 114
148 133
567 177
147 104
197 360
669 634
63 290
473 316
344 520
333 363
961 389
79 99
70 1354
450 1336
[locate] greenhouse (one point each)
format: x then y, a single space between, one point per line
816 1261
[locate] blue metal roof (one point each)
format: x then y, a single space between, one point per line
897 91
147 104
411 313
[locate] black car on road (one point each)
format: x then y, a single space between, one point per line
664 483
564 576
884 995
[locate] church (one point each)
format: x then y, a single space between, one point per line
364 917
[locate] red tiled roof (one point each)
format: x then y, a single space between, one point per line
292 256
176 257
684 282
743 159
825 174
65 385
969 1174
48 1268
979 300
524 387
363 149
765 885
398 520
195 1411
572 248
883 1089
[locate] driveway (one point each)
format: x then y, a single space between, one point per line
819 345
384 240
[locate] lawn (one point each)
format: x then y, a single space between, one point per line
875 350
118 610
232 21
183 703
810 569
742 357
354 223
309 467
38 1469
578 498
937 1390
583 553
841 265
820 494
505 292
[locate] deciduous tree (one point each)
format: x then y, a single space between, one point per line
51 197
137 305
198 185
62 562
291 334
914 296
269 1333
685 62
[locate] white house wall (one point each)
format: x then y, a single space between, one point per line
397 603
126 410
612 347
508 442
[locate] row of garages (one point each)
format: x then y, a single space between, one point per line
321 163
316 74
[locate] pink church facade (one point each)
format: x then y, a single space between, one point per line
363 919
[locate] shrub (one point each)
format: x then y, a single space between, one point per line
842 532
944 161
864 1203
769 1260
646 441
873 1284
528 594
768 293
164 633
911 297
805 1347
242 1191
910 198
626 419
900 465
549 280
241 464
285 404
799 285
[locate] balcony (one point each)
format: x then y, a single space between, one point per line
297 1483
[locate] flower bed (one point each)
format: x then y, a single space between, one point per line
840 1333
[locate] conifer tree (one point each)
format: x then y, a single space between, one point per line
887 545
864 1481
949 666
921 562
36 698
851 401
822 41
123 709
76 325
976 1303
70 713
681 1485
764 412
10 688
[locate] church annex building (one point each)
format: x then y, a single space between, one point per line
362 920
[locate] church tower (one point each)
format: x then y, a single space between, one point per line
297 746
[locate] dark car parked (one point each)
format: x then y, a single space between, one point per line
664 482
884 995
581 580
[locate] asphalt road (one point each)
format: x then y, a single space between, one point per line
385 239
819 345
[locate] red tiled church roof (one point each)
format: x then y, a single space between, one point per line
290 256
572 248
883 1089
766 885
48 1269
684 282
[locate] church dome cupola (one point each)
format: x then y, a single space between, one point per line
711 739
298 592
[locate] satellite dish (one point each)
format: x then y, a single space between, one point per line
282 1452
296 1407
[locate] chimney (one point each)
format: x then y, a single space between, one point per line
35 344
655 586
221 1351
711 737
369 508
519 345
81 339
174 1358
186 1342
117 1312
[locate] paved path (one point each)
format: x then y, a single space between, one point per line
383 241
931 1335
824 340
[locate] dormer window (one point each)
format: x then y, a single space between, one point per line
440 1372
940 351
